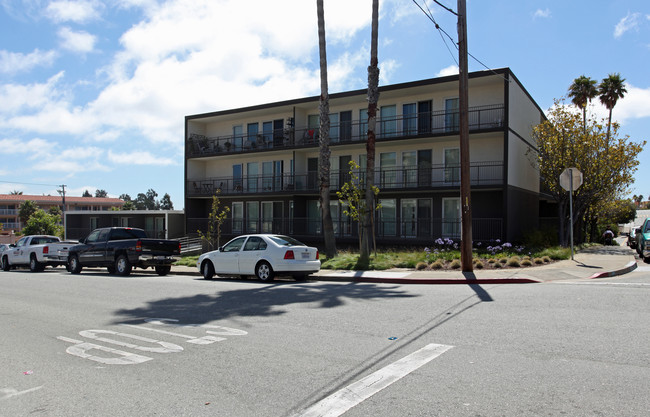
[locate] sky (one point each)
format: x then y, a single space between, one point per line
93 94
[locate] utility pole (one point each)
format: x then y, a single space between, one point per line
62 192
463 105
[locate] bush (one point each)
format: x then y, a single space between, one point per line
513 262
526 262
455 264
421 266
538 261
497 265
437 265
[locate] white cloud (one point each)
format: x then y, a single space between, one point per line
635 104
82 42
450 70
77 11
15 62
33 147
138 158
629 22
542 13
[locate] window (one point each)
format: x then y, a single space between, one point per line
363 124
313 217
346 125
255 243
334 127
410 119
271 217
237 137
452 116
237 217
387 163
252 129
251 176
409 169
93 223
416 217
451 217
252 216
237 175
424 116
388 121
234 245
452 165
387 217
267 133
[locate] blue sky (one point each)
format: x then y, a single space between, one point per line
93 94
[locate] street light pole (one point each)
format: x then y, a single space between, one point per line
463 105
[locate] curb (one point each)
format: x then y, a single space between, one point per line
430 281
628 268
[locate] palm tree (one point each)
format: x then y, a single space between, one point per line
610 90
373 97
581 92
324 139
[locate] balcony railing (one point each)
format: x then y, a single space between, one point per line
390 128
404 177
422 230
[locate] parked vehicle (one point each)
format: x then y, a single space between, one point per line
631 237
33 251
262 255
120 249
642 238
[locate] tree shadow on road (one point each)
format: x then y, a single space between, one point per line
265 301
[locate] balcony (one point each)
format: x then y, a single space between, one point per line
394 128
398 178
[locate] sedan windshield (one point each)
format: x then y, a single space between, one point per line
286 241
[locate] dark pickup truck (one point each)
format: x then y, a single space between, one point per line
120 249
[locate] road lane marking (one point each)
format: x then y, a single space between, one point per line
164 347
12 392
80 349
346 398
205 340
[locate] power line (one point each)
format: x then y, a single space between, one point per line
441 31
29 183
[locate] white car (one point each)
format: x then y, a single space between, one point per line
262 255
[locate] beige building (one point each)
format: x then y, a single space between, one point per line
10 206
264 161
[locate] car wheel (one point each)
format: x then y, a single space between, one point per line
5 264
34 265
163 270
264 272
207 269
123 266
73 264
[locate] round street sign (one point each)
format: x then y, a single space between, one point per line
568 176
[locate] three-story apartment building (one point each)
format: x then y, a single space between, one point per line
263 160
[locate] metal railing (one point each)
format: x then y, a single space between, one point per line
420 230
388 128
403 177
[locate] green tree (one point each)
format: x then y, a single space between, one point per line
86 194
608 166
581 92
16 192
215 219
101 193
26 209
610 90
42 223
166 203
56 211
353 197
324 164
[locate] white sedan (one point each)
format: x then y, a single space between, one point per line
262 255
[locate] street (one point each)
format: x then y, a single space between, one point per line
95 344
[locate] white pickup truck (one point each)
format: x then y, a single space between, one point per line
36 251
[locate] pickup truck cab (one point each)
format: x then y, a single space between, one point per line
33 251
643 240
120 249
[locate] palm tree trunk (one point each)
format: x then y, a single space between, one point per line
324 140
373 98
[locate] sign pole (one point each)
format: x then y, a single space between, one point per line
571 209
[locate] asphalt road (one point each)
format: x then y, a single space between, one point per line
99 345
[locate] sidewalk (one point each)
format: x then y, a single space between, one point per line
598 262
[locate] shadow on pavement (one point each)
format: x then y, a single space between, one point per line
258 301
